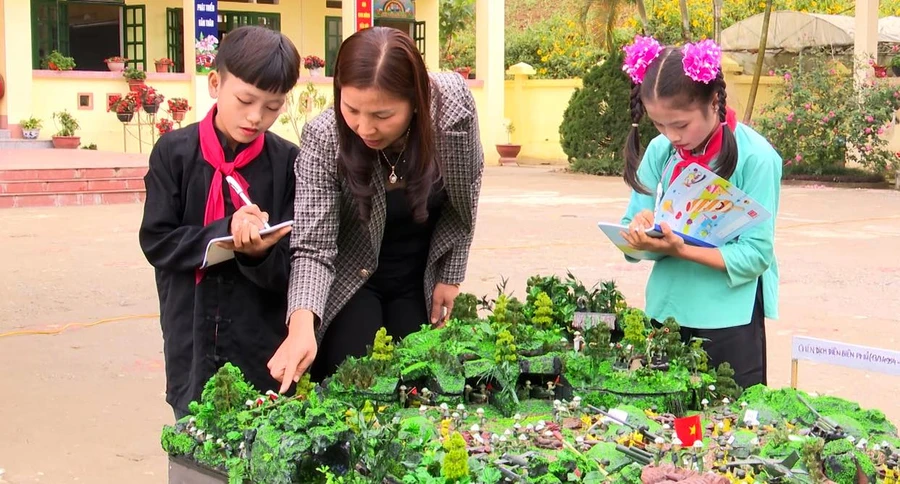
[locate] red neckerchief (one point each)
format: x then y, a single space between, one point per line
712 148
213 153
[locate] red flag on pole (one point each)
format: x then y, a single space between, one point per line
689 430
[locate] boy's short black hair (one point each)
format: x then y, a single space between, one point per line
261 57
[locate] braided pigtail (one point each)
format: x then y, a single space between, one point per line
728 154
633 150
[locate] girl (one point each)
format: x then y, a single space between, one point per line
387 190
724 294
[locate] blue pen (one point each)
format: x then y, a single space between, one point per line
237 188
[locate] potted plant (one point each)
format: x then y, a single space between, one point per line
464 71
31 127
115 63
151 99
895 66
509 152
124 106
135 78
177 107
314 64
58 62
65 138
164 126
163 65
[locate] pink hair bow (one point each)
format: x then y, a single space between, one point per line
639 55
702 60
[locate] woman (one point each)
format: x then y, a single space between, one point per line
387 191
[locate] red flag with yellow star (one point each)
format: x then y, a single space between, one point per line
688 430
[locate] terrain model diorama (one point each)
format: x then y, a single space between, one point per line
568 385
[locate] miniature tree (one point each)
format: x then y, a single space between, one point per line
609 299
668 339
465 307
455 466
635 329
304 387
383 350
597 338
543 313
811 452
227 390
506 348
697 358
725 384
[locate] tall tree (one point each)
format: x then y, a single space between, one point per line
760 56
717 20
609 11
685 21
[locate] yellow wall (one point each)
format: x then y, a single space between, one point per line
536 110
3 120
17 67
57 91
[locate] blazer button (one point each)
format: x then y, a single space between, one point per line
364 273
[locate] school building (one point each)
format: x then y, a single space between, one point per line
40 38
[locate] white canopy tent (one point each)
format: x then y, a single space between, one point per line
790 31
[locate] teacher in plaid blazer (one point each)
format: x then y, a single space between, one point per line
388 182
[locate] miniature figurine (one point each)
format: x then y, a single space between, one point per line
402 396
578 342
480 413
524 392
427 396
479 397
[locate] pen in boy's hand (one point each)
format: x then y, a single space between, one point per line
237 188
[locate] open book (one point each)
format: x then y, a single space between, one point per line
703 208
215 254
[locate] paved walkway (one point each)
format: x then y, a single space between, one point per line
87 405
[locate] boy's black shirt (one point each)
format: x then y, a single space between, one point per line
237 312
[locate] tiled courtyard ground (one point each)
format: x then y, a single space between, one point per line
87 405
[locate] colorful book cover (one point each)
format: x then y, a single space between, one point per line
706 209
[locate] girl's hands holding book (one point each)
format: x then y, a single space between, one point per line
669 244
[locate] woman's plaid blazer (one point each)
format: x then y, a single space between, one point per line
333 253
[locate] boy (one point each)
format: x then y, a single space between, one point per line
233 311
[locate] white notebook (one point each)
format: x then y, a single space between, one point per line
215 254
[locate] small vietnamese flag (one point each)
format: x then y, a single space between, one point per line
688 430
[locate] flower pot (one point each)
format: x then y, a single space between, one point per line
162 67
31 133
66 142
116 66
151 108
464 71
508 150
317 72
896 70
126 116
177 116
52 66
135 85
508 153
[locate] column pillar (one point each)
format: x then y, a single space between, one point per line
865 36
15 66
489 67
348 17
428 11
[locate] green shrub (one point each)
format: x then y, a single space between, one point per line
556 47
598 118
818 121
